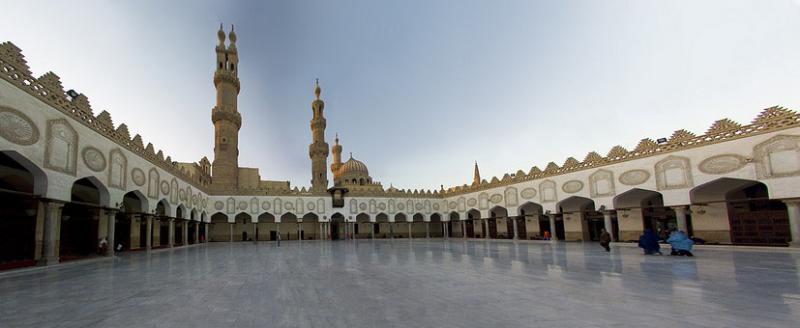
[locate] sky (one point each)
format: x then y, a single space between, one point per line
419 90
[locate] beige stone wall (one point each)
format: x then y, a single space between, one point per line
532 227
502 228
248 178
220 231
264 230
631 227
713 225
574 227
135 233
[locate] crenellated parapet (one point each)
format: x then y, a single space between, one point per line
49 89
769 120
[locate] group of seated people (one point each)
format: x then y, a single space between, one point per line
680 242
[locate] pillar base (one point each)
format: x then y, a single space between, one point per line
48 261
794 244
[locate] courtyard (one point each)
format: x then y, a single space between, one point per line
409 283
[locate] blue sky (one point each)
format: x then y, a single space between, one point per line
419 90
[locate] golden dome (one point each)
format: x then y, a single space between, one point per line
353 167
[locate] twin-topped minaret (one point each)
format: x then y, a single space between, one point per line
225 115
318 149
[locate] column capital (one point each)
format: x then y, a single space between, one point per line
111 211
608 212
680 207
53 204
791 202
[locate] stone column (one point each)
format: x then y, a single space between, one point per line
102 226
372 230
208 232
409 229
610 228
148 238
463 229
52 232
197 232
156 231
486 232
320 231
680 216
446 229
514 222
552 226
185 232
112 226
391 230
428 230
793 208
171 237
230 225
136 234
278 230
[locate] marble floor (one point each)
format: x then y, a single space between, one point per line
405 283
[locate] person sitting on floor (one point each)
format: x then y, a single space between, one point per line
648 241
681 245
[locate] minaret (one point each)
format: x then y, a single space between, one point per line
225 115
476 177
318 149
337 159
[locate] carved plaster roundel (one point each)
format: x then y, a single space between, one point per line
17 128
528 193
634 177
242 205
194 199
418 206
203 203
496 198
362 206
310 206
472 202
288 206
182 194
572 186
382 206
165 187
721 164
452 205
137 175
219 205
436 206
93 158
401 206
265 205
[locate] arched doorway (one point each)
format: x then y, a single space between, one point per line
531 222
400 226
220 228
744 209
639 209
579 219
436 226
20 211
337 226
382 225
417 226
310 229
473 219
267 228
456 228
362 228
499 222
243 227
80 219
180 232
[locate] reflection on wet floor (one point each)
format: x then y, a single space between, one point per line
402 283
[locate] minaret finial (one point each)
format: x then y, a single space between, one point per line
351 154
317 89
476 177
232 36
221 35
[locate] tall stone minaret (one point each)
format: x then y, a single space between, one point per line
226 117
476 176
337 159
318 149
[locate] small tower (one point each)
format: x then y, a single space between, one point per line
225 115
337 159
476 176
318 149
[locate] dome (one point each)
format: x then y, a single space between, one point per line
353 167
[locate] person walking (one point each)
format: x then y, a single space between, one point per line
648 241
605 240
546 235
681 244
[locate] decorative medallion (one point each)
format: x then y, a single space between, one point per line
203 203
401 206
93 158
496 198
194 200
436 206
165 187
182 194
472 202
288 206
382 206
452 205
634 177
137 175
722 164
242 206
17 128
572 186
528 193
265 205
362 206
310 206
418 206
219 205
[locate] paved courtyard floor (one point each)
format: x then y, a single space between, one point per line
405 283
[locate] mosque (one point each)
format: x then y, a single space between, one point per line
70 177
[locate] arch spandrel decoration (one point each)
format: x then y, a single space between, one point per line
353 206
391 206
173 195
61 150
253 205
511 196
118 171
572 186
138 177
93 158
673 172
17 128
462 204
230 205
528 193
373 206
483 201
153 181
601 184
721 164
547 191
321 206
777 157
299 205
277 205
634 177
